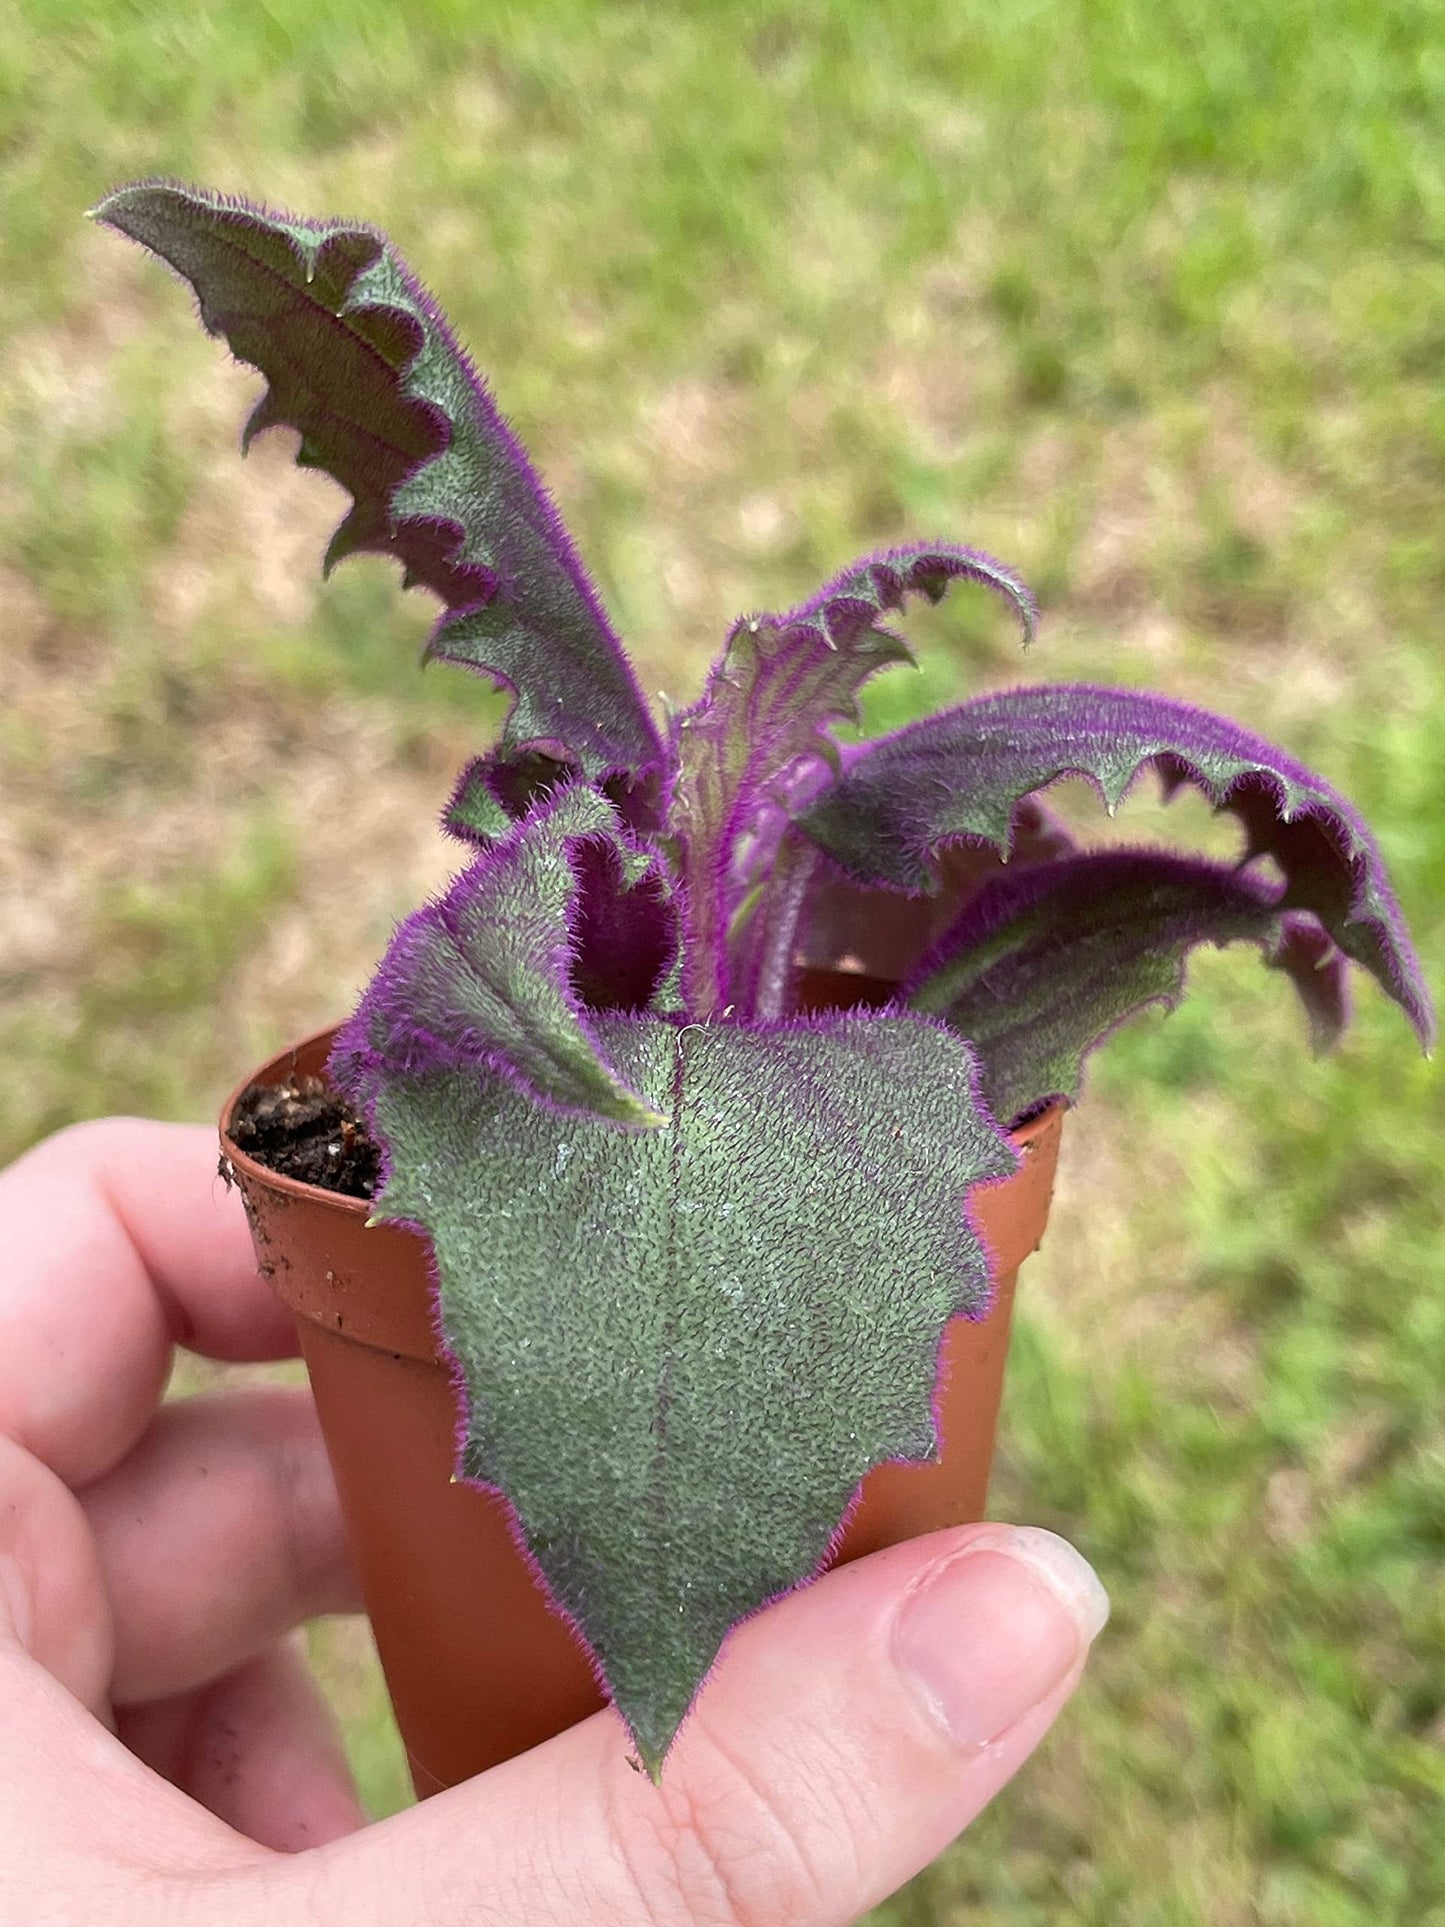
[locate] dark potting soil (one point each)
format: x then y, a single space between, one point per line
304 1131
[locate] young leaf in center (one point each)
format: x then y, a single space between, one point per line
763 717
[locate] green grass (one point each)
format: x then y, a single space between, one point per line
1144 295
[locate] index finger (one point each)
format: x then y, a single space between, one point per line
119 1241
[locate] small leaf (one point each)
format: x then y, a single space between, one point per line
362 364
1043 963
682 1350
963 773
779 682
484 978
495 792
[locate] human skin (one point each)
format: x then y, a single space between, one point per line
165 1755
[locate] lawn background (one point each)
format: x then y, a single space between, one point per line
1146 296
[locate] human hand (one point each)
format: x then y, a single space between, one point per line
166 1756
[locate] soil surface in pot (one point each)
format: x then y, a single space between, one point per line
304 1131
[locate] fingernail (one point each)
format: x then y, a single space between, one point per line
993 1630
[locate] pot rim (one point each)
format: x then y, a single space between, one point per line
1023 1137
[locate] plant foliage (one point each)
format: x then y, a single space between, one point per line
695 1246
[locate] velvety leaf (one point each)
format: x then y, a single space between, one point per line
963 773
763 952
1044 962
628 937
779 682
361 363
485 977
497 790
683 1349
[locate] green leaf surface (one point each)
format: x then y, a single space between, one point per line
495 792
483 977
361 363
683 1349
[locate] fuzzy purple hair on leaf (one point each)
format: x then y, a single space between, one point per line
362 364
484 978
885 932
780 681
496 791
963 773
857 596
1043 963
662 1310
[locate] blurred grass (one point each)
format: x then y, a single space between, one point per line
1144 295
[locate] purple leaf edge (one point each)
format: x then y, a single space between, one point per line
489 582
356 1067
815 1021
894 574
1365 859
1302 949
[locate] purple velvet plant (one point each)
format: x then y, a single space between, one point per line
695 1244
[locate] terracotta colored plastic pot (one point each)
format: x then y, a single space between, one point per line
477 1664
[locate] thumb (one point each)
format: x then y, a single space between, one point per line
847 1735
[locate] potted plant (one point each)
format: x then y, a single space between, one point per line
695 1133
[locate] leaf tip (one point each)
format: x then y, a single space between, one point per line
646 1757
